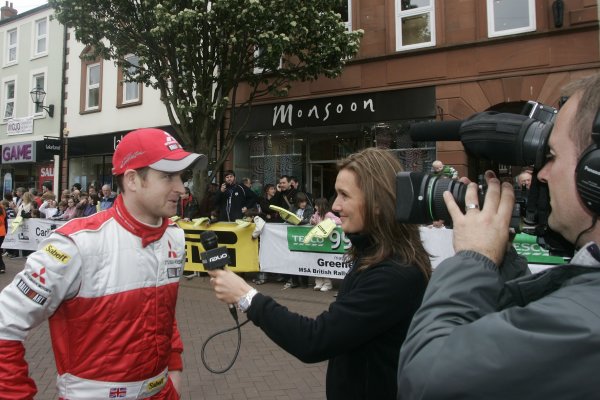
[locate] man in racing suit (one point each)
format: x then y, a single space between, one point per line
108 285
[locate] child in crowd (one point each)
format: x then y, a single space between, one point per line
304 211
323 211
69 212
49 207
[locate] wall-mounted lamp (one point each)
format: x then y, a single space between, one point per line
37 96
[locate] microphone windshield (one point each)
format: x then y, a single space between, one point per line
209 240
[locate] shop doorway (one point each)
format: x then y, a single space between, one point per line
322 178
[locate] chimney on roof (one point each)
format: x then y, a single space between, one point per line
7 11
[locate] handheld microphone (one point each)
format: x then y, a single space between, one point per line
215 258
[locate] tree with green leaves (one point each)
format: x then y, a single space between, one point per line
198 53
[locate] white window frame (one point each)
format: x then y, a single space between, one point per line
423 10
10 47
37 37
260 70
348 23
34 75
493 32
89 87
6 100
125 83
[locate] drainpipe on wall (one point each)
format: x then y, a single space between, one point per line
63 129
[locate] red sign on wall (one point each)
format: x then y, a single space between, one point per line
45 174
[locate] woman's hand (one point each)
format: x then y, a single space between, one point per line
229 287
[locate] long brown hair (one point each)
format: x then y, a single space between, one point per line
375 171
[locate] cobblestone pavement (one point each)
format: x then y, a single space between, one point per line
262 370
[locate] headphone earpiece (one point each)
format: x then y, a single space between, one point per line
587 173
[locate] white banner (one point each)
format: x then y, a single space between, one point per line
19 126
29 234
277 239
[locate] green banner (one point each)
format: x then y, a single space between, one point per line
526 245
337 242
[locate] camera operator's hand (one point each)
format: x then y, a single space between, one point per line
229 287
484 230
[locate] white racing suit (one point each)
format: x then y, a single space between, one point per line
108 285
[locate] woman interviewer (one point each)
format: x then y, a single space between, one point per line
363 329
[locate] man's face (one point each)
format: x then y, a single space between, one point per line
230 179
155 197
294 184
284 184
525 179
106 192
569 216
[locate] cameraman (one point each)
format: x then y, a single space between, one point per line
232 199
479 335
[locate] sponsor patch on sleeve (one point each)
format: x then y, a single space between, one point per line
174 272
57 254
30 293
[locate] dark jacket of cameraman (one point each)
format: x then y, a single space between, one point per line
360 334
481 335
231 201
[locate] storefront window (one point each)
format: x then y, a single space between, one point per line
414 156
273 155
90 170
312 154
17 175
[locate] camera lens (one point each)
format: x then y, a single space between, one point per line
435 195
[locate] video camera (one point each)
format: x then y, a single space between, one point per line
507 138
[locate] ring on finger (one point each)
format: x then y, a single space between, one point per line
471 206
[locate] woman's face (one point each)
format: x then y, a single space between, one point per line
71 203
350 202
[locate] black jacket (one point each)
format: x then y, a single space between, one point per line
285 199
231 201
360 334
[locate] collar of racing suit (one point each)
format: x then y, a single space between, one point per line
147 233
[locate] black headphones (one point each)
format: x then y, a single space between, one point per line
587 173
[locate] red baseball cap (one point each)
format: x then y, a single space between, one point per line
154 148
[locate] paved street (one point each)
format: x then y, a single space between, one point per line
262 370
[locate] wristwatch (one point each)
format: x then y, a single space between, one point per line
246 300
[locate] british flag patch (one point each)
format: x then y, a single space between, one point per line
117 392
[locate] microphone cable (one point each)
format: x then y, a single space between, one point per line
237 326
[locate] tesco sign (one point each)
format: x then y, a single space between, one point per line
18 152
